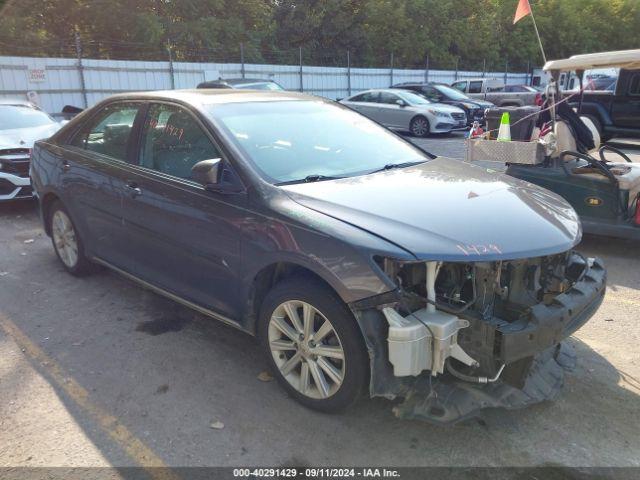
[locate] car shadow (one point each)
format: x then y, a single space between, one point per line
18 207
170 384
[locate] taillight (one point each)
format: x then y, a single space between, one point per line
636 217
538 99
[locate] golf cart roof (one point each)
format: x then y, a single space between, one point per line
627 59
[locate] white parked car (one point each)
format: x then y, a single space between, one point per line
405 110
21 124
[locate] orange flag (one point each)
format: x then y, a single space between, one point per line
522 11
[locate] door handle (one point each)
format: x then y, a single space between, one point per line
66 166
133 189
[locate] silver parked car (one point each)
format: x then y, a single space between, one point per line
405 110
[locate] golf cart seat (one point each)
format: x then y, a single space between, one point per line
626 173
566 139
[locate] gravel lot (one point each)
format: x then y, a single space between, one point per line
98 371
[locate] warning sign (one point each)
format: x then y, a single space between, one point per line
37 75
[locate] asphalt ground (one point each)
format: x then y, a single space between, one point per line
100 372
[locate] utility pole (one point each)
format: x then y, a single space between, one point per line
426 70
391 69
172 77
506 71
242 59
300 72
348 73
83 86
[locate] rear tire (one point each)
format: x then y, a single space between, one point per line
66 241
420 126
313 344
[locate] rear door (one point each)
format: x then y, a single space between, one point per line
182 238
94 169
365 103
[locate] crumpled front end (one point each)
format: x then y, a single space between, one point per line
455 337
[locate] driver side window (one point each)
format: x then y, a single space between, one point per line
173 141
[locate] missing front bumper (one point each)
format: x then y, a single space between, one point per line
535 356
447 401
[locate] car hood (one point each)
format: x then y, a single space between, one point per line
449 210
26 137
441 107
480 103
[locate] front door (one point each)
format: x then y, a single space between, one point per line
390 113
182 238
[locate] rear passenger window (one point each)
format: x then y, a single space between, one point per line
109 135
475 87
365 97
173 141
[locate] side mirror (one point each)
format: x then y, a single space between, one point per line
207 172
401 103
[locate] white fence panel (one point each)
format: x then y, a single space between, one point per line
61 83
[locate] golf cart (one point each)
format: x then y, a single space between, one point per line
564 154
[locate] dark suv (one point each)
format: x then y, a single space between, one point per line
361 263
616 111
242 84
441 93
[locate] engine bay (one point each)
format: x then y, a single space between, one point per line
483 320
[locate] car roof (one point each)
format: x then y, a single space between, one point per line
16 101
203 96
628 59
236 81
387 90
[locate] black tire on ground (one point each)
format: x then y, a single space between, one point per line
82 265
419 126
322 298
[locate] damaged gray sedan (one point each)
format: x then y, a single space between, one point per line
360 262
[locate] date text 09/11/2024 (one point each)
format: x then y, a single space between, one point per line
315 473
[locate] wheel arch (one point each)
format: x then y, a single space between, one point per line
268 276
45 206
596 110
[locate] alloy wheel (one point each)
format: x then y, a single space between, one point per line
306 349
420 127
64 238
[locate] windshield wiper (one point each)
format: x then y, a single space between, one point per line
310 179
391 166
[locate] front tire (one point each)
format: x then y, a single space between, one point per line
67 242
419 127
313 344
